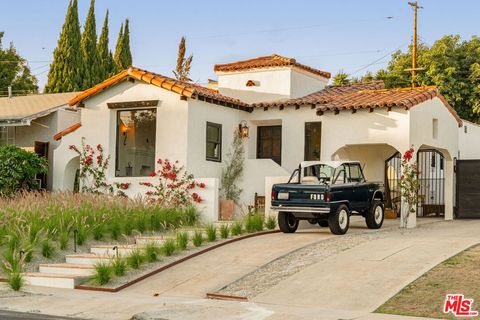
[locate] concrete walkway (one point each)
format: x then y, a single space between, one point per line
348 285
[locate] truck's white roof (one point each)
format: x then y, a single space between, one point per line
333 164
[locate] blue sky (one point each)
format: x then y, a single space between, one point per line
330 35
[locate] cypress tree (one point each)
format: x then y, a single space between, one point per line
90 55
107 66
119 51
65 74
127 58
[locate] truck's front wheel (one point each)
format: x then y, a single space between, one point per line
287 222
375 215
339 220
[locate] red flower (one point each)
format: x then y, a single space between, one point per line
99 147
172 176
159 161
191 185
402 177
72 147
149 193
146 184
152 174
201 185
88 160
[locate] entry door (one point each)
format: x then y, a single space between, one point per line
269 143
41 149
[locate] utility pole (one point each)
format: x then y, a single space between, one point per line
414 68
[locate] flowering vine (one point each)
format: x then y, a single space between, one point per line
93 170
409 185
175 186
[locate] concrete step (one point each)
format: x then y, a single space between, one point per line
87 259
53 280
143 240
67 269
123 250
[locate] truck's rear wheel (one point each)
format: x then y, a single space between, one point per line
287 222
323 223
375 215
339 221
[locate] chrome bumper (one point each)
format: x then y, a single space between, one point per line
301 209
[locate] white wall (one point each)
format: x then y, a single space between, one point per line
304 82
272 84
469 141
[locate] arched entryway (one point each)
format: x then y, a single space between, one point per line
70 177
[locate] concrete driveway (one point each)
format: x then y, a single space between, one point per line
349 284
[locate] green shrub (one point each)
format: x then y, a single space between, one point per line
182 240
190 215
119 266
197 238
152 250
98 231
168 247
18 169
115 229
237 228
48 250
135 259
271 223
103 273
15 280
63 240
253 223
224 230
211 231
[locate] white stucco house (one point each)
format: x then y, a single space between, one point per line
291 114
30 122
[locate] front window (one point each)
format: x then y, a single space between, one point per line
214 142
136 131
7 136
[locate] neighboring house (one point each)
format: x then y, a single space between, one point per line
30 121
291 115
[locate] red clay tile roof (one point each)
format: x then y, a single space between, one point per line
323 95
266 62
59 135
189 90
371 99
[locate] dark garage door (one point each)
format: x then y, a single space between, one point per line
468 189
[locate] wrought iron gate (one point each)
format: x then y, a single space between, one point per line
431 196
393 169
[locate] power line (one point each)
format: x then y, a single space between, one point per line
283 29
377 60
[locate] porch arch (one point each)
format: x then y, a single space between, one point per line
71 168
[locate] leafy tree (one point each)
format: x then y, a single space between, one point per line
18 169
182 70
233 171
91 75
126 45
340 79
119 51
106 65
66 70
451 64
123 55
14 71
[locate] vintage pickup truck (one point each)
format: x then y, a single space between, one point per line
327 193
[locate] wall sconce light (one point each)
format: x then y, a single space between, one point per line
243 129
124 130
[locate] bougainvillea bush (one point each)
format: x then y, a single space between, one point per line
174 187
94 169
409 185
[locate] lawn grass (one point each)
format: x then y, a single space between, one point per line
425 296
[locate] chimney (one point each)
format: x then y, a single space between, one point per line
9 91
